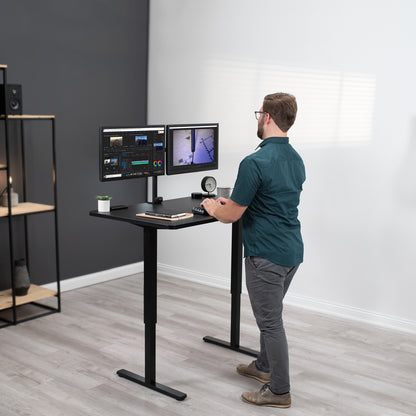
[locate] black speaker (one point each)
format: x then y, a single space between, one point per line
14 104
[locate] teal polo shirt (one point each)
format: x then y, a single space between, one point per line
269 183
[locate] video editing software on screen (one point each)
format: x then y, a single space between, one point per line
132 152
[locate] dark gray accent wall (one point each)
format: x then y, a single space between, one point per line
85 61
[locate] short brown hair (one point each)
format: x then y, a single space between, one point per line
282 108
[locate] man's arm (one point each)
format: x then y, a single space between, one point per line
224 210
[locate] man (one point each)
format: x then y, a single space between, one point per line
266 195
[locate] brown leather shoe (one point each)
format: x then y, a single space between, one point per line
265 397
251 371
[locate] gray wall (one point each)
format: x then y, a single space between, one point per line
86 63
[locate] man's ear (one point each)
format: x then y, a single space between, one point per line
269 118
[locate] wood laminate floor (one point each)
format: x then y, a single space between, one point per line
65 364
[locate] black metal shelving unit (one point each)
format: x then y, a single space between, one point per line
8 299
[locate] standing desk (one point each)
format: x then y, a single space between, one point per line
150 227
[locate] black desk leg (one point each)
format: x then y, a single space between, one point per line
236 274
150 317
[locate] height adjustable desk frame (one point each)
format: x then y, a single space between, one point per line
150 227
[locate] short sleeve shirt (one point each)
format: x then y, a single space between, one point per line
269 183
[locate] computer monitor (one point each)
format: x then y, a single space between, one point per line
191 148
131 152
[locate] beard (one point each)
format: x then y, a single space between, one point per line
260 131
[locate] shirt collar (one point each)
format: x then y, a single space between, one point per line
276 140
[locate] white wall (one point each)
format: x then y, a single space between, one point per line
352 67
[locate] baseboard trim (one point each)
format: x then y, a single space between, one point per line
352 313
193 276
317 305
97 277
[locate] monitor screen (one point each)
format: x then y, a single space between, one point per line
191 148
131 152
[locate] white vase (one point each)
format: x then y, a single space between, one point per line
103 205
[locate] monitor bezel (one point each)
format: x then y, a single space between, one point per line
143 127
175 170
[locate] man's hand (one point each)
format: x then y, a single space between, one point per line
222 200
211 205
223 209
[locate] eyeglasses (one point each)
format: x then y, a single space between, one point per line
257 114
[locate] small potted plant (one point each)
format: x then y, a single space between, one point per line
103 203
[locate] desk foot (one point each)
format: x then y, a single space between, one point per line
176 394
228 345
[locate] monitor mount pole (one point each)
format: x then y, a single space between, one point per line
155 198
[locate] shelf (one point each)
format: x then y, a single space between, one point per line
28 117
16 309
35 293
26 208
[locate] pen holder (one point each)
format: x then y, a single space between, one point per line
224 192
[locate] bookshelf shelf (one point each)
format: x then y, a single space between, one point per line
26 208
35 293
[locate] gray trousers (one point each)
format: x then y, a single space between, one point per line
267 284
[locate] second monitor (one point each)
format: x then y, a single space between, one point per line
191 148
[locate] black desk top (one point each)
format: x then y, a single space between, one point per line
180 205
